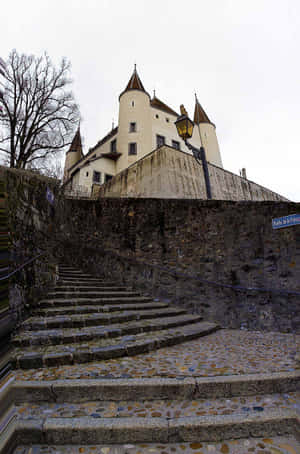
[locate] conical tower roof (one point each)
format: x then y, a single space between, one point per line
76 144
200 115
134 83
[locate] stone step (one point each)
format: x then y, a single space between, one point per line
71 270
94 333
66 289
35 357
94 285
61 269
94 301
156 408
89 430
92 309
95 319
157 388
80 278
279 445
63 266
95 294
77 275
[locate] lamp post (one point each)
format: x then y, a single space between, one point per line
185 128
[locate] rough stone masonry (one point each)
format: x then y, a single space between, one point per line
185 250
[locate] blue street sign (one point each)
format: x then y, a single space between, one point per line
286 221
50 196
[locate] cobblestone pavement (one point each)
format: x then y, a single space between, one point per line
163 408
226 352
276 445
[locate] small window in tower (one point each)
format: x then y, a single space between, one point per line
156 116
87 174
132 127
96 177
132 148
113 146
107 177
160 141
167 120
176 144
132 103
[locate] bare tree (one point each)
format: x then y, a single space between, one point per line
39 112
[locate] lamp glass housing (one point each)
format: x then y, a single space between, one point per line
184 127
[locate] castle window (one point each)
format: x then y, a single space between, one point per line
176 144
160 141
156 116
87 174
167 120
107 177
132 127
113 146
132 148
132 103
96 177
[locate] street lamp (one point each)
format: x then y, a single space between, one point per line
185 128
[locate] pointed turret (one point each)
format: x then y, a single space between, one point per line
76 145
134 125
134 83
74 154
200 115
207 135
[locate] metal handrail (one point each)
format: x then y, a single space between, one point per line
21 266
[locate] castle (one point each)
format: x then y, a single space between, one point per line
144 157
144 125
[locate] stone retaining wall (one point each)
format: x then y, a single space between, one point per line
159 246
5 313
217 241
30 227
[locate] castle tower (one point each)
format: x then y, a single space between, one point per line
207 135
134 131
74 154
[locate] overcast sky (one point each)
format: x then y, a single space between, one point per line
240 56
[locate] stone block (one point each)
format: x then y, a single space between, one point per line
111 430
58 359
33 391
29 432
30 360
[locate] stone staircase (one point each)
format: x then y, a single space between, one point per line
86 319
220 415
